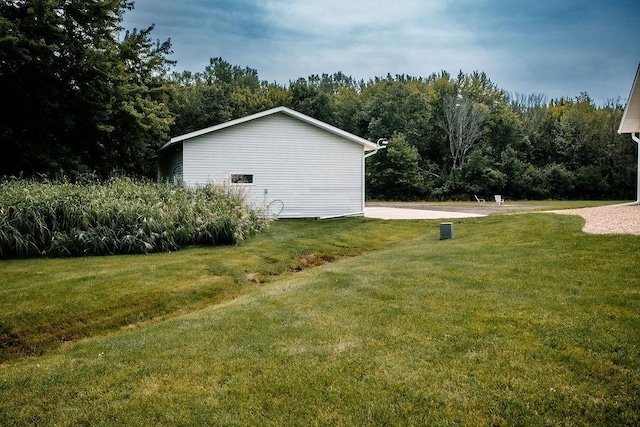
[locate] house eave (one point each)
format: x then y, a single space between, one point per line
630 122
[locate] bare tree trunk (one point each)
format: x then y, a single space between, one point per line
462 121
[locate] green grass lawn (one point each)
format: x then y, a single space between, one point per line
519 320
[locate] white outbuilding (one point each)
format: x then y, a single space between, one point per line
285 162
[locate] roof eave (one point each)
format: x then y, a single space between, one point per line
630 122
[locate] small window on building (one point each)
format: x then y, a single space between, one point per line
241 179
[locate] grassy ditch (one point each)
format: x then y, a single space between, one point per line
518 320
47 302
121 216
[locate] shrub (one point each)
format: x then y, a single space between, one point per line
120 216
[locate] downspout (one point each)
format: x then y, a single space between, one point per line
636 138
380 144
372 153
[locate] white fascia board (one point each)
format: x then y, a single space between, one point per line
368 145
630 122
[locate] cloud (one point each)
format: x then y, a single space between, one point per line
329 17
558 48
364 38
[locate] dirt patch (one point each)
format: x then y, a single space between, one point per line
254 277
310 260
11 345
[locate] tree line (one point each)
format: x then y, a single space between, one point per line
82 95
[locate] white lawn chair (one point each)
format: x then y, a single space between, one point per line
499 199
479 200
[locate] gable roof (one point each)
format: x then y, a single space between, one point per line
630 122
368 145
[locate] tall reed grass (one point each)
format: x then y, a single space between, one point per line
120 216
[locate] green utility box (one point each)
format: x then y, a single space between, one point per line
446 230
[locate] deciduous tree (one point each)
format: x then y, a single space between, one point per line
462 122
77 95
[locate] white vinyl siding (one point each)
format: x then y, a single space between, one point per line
313 172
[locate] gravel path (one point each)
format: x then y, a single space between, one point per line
617 219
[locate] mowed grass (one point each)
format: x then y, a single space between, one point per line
44 303
518 320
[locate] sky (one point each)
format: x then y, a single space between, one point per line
559 48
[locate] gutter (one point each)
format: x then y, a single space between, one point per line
382 143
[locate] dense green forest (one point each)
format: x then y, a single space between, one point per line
82 95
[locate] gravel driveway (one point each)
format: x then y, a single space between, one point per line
616 219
